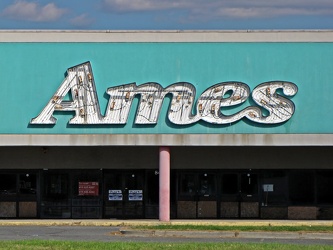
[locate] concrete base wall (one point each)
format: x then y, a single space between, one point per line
27 209
302 213
186 209
325 213
7 209
229 209
207 209
249 209
274 213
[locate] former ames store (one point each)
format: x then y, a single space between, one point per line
166 124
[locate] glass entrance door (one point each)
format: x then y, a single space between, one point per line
18 194
197 195
71 194
124 194
86 194
239 195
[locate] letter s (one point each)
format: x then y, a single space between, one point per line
280 108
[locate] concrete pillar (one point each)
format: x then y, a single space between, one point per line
164 179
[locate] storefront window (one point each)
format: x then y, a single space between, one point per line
57 186
274 188
187 184
28 184
229 184
301 187
249 184
199 184
86 194
86 184
8 184
152 191
207 184
325 187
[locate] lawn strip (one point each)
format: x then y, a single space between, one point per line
62 245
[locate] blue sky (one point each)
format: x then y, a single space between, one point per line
166 14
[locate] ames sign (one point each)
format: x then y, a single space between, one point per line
80 84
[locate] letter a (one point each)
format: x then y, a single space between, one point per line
80 82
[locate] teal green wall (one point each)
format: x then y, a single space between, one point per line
32 72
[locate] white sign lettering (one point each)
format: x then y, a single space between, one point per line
135 195
80 84
115 195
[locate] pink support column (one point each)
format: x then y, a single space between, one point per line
164 177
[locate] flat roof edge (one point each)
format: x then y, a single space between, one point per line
166 36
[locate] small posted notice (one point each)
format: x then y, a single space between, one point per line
88 188
135 195
115 195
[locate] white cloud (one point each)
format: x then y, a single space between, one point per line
142 5
81 21
31 11
210 9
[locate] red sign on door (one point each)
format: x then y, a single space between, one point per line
88 188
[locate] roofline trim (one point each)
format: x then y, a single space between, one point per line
156 36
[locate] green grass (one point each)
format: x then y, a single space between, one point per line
61 245
240 228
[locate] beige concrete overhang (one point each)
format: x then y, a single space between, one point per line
166 140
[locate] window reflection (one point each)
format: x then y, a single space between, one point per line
198 184
57 186
207 184
187 184
27 183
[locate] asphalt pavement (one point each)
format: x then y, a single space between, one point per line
125 228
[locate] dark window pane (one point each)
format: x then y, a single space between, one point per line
301 187
249 184
7 184
113 181
207 186
28 184
275 191
187 184
229 184
57 186
134 181
152 190
325 187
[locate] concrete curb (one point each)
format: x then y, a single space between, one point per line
153 222
226 234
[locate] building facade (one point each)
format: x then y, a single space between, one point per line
166 124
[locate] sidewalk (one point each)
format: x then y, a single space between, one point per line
150 222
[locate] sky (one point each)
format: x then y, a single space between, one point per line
166 14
